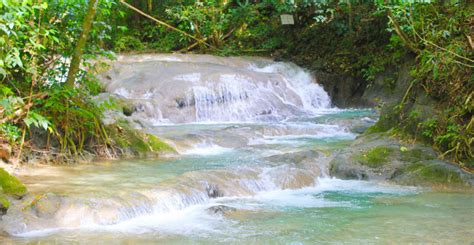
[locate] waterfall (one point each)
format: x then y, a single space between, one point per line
199 88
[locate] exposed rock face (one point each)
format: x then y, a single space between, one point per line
345 91
380 157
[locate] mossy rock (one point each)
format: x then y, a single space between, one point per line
434 173
415 155
376 157
376 128
158 145
127 110
135 141
4 203
11 185
429 173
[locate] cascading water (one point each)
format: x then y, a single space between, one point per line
208 89
254 138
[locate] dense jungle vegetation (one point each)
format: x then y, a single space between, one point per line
49 49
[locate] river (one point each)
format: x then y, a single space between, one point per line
254 139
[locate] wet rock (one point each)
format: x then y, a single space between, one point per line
291 178
220 209
345 91
266 112
128 110
5 152
133 142
140 107
213 191
434 173
295 157
184 102
4 204
381 157
311 161
46 206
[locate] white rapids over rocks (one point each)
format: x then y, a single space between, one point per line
202 88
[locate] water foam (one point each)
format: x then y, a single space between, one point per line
206 149
188 214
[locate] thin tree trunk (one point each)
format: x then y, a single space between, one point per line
351 15
81 43
150 6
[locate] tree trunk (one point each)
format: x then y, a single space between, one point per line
81 43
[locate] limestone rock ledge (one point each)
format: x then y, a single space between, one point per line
381 157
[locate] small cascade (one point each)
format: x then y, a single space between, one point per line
53 213
201 88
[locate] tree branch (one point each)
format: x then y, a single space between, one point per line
166 24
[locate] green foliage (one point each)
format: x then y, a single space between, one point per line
75 117
363 40
36 39
10 132
229 26
429 128
351 41
126 43
444 72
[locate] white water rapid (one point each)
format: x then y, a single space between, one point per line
201 88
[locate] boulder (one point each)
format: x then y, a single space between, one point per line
46 206
11 185
383 158
213 191
5 152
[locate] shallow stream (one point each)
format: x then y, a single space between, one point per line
249 170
